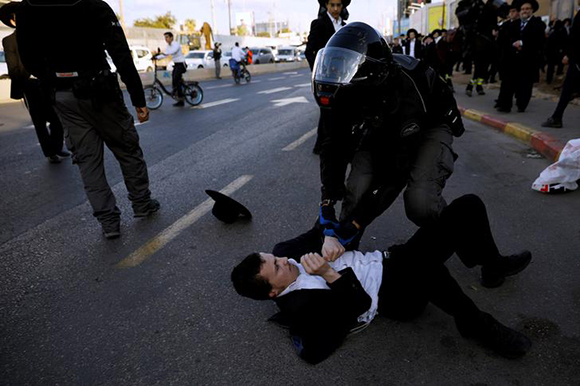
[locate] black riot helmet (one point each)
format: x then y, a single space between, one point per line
355 58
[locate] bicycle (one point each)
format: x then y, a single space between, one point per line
154 94
238 73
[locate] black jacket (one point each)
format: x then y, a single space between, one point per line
412 100
319 320
16 71
321 30
72 36
418 48
574 40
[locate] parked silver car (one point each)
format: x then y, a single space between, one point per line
288 54
261 55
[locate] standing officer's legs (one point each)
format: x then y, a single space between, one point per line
86 144
432 166
218 68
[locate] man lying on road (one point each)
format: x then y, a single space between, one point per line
322 300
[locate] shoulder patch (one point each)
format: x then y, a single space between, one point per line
405 61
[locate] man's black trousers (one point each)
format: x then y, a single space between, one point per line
415 273
177 78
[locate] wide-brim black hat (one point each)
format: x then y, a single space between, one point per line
533 3
227 209
6 12
345 3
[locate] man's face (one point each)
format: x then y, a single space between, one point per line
411 35
514 14
334 7
168 39
278 272
526 11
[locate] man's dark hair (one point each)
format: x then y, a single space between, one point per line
170 34
237 44
247 280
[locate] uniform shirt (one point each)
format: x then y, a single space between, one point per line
367 267
174 49
238 54
337 24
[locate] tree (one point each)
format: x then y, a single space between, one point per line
166 21
264 34
189 24
242 30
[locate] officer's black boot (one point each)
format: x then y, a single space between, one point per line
493 274
479 89
487 331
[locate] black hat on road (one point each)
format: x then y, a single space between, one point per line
6 12
227 209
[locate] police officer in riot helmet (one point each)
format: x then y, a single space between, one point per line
393 119
63 43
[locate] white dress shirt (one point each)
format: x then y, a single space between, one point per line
337 24
174 49
238 54
367 267
412 47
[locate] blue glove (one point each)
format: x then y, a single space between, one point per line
345 233
327 216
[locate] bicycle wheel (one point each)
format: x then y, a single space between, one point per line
193 94
248 76
237 79
153 97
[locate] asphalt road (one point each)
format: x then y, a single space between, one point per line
72 312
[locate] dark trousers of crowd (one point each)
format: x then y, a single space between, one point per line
177 78
41 112
571 84
415 274
518 81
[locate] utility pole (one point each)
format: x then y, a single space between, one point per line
213 23
121 14
230 15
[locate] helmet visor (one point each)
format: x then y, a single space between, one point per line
336 65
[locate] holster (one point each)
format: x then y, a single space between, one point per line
100 88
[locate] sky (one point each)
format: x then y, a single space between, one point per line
299 13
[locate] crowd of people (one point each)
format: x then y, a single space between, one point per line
516 51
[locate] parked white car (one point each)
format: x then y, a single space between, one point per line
198 59
3 66
142 57
288 54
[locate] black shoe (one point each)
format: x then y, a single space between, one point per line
53 159
553 123
152 207
469 92
479 90
491 333
179 104
503 109
112 231
493 275
63 153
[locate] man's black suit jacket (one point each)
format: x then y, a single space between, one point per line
16 71
321 30
319 319
418 49
533 39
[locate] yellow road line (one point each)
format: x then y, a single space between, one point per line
155 244
300 140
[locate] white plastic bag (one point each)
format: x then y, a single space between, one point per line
562 175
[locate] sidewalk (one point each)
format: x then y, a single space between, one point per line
523 126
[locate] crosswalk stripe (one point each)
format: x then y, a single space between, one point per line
275 90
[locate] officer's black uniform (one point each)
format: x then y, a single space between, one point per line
63 43
408 121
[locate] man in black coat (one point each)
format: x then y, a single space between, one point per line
526 43
412 45
37 100
322 300
572 82
331 17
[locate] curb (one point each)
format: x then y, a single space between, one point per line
541 142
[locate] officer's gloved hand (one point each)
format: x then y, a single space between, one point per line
346 232
327 215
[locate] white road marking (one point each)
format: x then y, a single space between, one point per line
288 101
302 85
300 140
29 127
159 241
275 90
256 81
290 73
296 76
216 103
278 78
222 86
